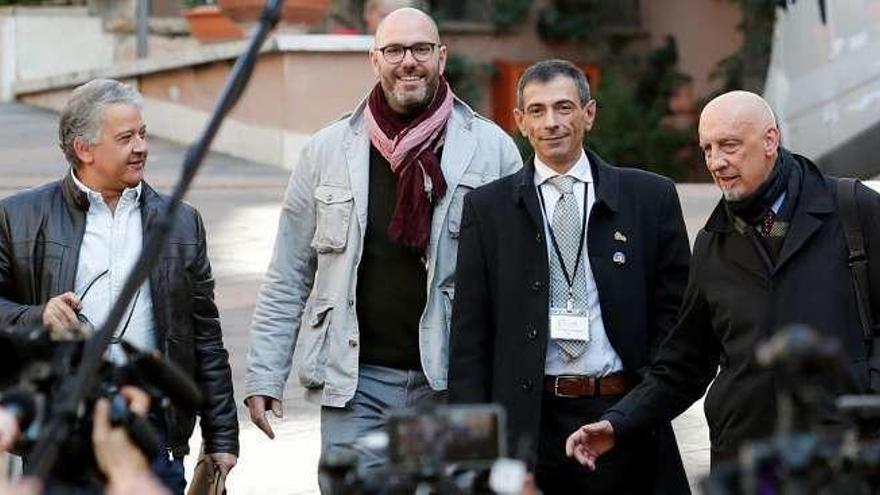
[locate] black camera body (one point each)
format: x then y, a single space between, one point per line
450 449
807 454
34 371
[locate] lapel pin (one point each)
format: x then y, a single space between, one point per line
619 237
619 258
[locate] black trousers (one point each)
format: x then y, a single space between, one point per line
627 469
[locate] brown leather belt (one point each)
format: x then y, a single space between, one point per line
574 386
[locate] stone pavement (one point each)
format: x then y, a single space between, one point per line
240 203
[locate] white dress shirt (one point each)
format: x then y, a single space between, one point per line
600 358
112 242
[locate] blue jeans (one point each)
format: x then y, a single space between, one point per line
380 391
170 472
167 468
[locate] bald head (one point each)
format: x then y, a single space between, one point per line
376 10
740 108
408 59
408 19
740 141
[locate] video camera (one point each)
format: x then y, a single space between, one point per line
32 373
807 455
451 449
60 382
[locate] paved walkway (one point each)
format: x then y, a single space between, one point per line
240 204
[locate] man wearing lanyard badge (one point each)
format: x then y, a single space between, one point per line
570 273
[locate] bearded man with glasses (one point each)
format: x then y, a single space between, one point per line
359 290
67 247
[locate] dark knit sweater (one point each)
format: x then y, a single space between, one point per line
392 282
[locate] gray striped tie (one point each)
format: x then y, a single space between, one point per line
567 223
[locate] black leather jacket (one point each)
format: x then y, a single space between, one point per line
41 231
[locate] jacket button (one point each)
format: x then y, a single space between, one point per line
536 285
539 238
351 302
352 342
526 385
533 334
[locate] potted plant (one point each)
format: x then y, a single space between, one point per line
208 23
307 12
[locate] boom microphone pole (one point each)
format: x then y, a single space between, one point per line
73 390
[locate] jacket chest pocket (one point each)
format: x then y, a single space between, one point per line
43 260
468 183
52 260
172 298
333 208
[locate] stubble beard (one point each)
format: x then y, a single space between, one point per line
412 101
731 195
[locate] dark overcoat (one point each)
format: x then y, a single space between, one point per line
500 315
737 297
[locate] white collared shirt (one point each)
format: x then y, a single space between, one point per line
112 242
600 358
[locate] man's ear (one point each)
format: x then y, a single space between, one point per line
442 59
519 117
374 61
771 141
589 115
83 151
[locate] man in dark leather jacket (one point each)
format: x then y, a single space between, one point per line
66 249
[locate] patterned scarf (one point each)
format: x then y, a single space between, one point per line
411 149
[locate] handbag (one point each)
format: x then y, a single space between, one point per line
208 478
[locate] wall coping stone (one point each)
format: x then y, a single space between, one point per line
280 43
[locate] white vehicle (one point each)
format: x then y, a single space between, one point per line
824 82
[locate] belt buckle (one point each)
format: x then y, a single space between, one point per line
556 391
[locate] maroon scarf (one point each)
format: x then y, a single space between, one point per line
411 149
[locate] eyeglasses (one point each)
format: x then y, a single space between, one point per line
394 54
89 326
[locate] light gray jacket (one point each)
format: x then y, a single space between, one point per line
307 301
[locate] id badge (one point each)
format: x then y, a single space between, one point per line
569 324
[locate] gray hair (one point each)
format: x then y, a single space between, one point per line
547 70
82 115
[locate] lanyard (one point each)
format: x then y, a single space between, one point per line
569 278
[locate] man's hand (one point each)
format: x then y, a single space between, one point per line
225 461
60 312
530 486
589 442
259 406
9 430
118 457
